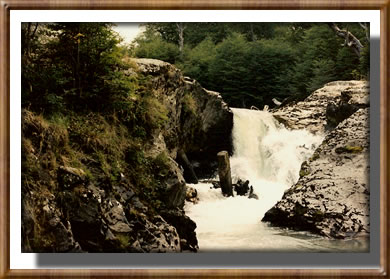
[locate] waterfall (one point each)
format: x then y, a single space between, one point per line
269 156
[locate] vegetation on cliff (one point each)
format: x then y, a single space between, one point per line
89 120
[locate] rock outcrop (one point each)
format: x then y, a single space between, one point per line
79 201
325 107
200 121
331 197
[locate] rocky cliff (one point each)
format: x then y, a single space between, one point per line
200 121
332 194
326 107
90 185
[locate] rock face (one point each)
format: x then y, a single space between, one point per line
325 107
332 194
200 121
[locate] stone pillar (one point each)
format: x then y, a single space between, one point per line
224 173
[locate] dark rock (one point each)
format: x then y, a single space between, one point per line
241 187
185 228
69 177
337 113
123 194
61 237
189 173
174 187
216 184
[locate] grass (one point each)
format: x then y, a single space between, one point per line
189 103
101 146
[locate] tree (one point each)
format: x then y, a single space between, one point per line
196 62
80 65
151 45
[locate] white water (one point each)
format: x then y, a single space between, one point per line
269 156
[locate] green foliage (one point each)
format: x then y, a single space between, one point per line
73 65
152 45
154 113
257 70
196 62
189 104
323 72
229 69
364 65
161 164
251 63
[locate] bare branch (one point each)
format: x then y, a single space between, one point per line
350 40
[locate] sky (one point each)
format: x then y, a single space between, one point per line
128 31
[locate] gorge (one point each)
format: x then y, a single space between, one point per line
89 186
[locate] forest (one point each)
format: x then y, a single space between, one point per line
252 63
249 63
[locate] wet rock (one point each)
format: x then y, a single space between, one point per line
156 236
192 195
216 184
189 173
332 199
242 187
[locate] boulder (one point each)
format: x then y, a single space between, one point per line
185 228
332 194
192 195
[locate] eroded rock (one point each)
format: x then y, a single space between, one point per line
332 196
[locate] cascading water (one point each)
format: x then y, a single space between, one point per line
269 156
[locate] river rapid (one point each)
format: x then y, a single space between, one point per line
269 156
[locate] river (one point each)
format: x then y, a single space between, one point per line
269 156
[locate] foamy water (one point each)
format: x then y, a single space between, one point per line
269 156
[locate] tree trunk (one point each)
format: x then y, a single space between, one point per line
180 29
253 35
188 169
